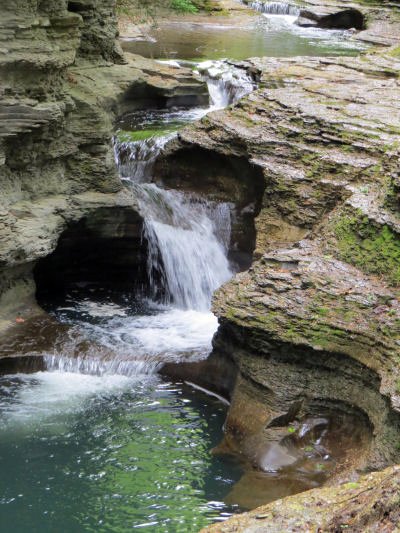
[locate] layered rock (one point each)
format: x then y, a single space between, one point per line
312 328
371 21
370 504
377 20
62 85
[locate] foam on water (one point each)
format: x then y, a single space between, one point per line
138 344
170 333
31 399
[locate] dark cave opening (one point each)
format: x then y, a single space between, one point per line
104 249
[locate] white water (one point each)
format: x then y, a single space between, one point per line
136 344
136 159
275 8
184 249
35 398
226 83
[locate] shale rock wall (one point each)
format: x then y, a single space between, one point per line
63 80
314 325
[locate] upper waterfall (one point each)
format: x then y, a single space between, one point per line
275 8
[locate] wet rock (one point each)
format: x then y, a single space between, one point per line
375 23
344 20
369 503
315 320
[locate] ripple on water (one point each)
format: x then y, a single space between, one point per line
109 453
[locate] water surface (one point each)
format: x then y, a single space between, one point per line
109 453
264 35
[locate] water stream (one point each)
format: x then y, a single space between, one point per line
275 8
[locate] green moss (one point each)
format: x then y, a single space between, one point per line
395 52
352 485
142 10
373 249
183 6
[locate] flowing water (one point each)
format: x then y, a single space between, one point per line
275 8
97 440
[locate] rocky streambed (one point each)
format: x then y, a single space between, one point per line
296 185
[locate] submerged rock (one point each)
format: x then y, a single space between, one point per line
368 504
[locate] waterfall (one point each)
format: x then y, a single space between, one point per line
226 83
100 366
187 241
135 159
187 237
275 8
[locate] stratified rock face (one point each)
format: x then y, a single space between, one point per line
60 90
98 30
314 326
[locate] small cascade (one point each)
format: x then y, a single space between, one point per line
227 84
135 159
100 366
275 8
188 241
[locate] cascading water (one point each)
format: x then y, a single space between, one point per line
184 246
135 158
227 84
275 8
187 241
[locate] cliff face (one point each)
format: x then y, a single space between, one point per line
312 328
62 83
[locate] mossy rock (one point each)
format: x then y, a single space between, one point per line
373 248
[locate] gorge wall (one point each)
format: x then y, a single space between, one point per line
313 327
63 81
